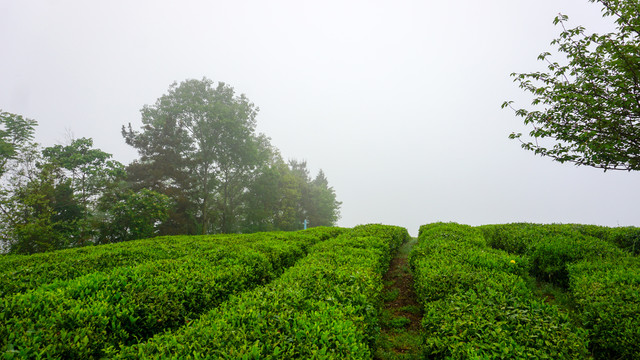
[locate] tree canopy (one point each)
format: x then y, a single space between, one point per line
198 146
588 108
202 169
15 132
67 195
212 140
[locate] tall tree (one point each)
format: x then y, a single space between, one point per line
132 215
63 196
325 209
165 166
273 199
89 173
90 170
28 210
317 202
590 106
216 141
16 133
302 178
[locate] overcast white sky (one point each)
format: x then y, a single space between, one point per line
397 101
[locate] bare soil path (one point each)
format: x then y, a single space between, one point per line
401 312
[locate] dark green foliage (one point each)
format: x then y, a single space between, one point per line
324 209
282 197
325 307
512 238
131 216
607 296
222 177
551 248
212 136
35 215
89 174
19 273
89 170
627 238
518 237
50 197
198 146
600 277
16 132
397 322
165 160
478 303
588 107
95 314
551 255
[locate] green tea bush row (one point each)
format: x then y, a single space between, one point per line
601 278
607 297
325 307
25 272
19 273
478 302
90 316
627 238
518 237
513 238
551 248
551 255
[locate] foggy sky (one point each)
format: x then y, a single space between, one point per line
398 102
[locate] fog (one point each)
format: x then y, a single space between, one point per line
398 102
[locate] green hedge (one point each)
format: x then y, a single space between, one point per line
513 238
19 273
627 238
92 315
551 255
325 307
595 266
478 301
607 296
518 237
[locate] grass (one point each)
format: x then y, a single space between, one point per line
401 314
390 295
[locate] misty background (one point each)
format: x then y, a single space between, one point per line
398 102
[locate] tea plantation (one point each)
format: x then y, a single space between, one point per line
483 291
515 291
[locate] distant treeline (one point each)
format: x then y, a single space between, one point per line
202 169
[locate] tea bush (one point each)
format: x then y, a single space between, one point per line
627 238
595 266
607 297
551 255
19 273
325 307
102 311
478 302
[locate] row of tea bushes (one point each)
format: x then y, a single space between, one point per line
325 307
626 238
89 316
19 273
478 302
516 237
602 279
607 297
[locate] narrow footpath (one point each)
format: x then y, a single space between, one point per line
401 313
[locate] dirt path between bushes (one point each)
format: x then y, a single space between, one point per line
401 313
